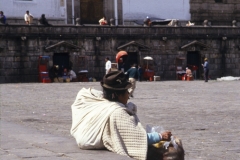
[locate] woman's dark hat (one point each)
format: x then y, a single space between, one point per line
115 80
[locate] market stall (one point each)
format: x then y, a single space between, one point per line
148 72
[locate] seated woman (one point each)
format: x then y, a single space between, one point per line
72 74
42 20
188 73
105 120
103 21
65 74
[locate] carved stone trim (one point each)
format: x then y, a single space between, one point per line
133 46
63 46
194 45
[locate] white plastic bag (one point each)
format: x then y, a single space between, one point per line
158 129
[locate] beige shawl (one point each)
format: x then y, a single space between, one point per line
98 123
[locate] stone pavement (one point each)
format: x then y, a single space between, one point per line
36 118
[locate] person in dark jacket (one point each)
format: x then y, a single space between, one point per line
206 69
43 20
2 18
133 76
140 73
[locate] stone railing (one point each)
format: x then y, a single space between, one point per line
73 31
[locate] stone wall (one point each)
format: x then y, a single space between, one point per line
218 13
21 45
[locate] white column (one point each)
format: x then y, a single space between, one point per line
116 12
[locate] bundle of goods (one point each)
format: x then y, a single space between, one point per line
165 150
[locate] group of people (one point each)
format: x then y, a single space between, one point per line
28 18
106 120
205 69
65 74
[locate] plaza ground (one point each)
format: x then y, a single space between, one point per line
36 118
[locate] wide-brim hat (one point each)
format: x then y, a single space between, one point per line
115 80
205 59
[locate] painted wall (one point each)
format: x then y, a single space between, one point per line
165 9
17 8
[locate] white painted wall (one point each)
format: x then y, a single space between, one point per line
17 8
165 9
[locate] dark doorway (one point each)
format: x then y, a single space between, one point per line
62 60
131 59
91 11
194 62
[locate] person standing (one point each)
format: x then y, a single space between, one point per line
28 18
206 69
133 75
121 65
2 18
140 73
107 65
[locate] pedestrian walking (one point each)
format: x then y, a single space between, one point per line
206 69
140 73
133 76
107 65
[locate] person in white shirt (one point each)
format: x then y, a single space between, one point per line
72 74
103 21
28 18
107 65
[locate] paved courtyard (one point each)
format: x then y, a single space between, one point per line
36 118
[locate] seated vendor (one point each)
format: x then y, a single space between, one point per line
104 119
65 74
188 73
72 74
103 21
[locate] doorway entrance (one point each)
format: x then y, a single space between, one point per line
91 11
194 63
131 59
62 60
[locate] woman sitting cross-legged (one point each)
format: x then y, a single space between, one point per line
105 120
